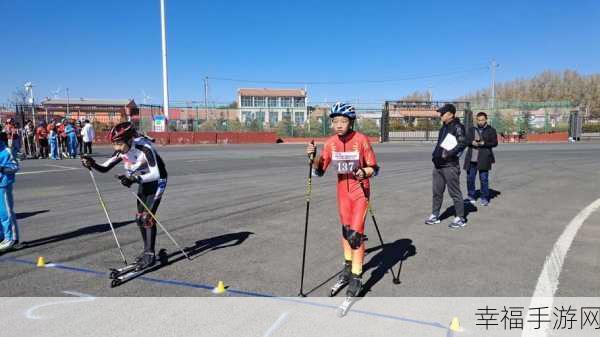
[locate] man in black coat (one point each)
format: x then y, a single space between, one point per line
447 168
480 157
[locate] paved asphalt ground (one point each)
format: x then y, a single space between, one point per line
240 211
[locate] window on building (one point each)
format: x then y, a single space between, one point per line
247 116
287 115
259 101
112 115
299 102
286 102
90 116
260 116
299 117
246 101
273 102
273 118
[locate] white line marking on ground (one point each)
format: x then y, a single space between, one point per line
65 167
282 318
547 284
197 160
44 171
81 298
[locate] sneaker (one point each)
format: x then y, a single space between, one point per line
6 245
432 220
457 223
472 201
484 202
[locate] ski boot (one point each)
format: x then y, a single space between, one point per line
343 279
146 261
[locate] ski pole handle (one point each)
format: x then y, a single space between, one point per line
311 156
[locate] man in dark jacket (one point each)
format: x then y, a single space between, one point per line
450 145
480 157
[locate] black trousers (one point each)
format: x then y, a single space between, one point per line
87 147
151 194
43 148
80 141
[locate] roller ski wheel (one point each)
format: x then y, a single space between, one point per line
114 283
116 272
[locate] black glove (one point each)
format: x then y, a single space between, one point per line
312 155
1 169
127 181
87 162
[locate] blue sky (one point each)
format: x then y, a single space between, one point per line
111 49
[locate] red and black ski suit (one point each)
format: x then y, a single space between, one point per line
346 154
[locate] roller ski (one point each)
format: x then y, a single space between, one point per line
146 261
342 280
354 288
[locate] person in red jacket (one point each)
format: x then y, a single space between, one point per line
62 136
42 137
350 154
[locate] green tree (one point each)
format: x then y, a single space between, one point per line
316 127
284 128
368 127
234 125
209 125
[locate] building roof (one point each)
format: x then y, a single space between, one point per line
88 101
271 92
413 113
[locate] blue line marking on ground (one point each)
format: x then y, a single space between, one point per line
233 291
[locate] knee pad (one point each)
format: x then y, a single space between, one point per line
354 238
144 219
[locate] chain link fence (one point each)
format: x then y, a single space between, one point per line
522 117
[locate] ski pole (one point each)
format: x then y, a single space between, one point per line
395 280
112 228
160 225
311 158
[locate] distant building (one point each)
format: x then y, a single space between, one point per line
411 110
270 106
104 111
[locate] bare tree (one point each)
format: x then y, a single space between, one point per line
416 96
19 97
568 85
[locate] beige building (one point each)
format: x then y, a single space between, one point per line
270 106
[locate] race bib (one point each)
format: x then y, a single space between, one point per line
345 162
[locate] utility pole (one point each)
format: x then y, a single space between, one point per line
164 61
29 88
68 103
206 93
430 95
493 67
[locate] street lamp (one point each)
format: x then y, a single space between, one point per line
29 89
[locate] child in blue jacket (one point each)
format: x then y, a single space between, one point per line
8 219
53 140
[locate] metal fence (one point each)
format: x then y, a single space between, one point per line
394 120
417 120
196 118
524 117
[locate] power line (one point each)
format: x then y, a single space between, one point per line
408 78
